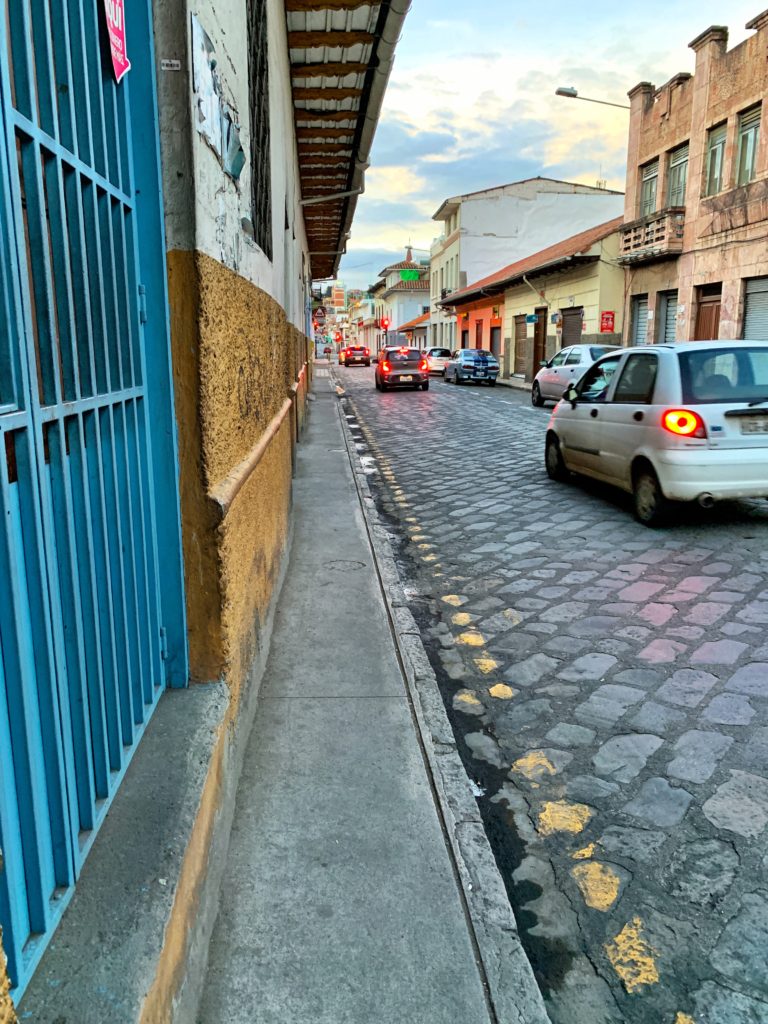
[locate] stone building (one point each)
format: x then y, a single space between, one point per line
696 207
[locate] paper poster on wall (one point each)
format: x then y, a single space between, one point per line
217 120
115 13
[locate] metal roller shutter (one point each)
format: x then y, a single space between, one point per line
639 319
756 309
572 321
670 317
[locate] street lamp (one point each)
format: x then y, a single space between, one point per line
571 93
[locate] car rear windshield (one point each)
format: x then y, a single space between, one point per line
479 355
599 350
440 353
405 355
357 348
737 373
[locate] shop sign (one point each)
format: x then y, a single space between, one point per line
607 322
531 318
115 12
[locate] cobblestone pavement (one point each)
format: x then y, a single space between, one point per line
609 688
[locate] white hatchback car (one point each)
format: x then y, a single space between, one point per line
437 358
681 422
564 368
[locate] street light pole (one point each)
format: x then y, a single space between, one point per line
573 94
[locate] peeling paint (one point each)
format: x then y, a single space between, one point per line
561 816
684 1018
535 766
461 619
632 957
584 853
454 600
471 638
598 884
502 692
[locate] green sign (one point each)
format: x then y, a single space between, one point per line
409 275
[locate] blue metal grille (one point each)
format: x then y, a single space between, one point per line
80 649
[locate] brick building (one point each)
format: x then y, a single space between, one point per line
696 207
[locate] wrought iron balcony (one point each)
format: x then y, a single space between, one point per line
655 237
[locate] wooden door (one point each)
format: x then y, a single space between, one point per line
478 334
708 319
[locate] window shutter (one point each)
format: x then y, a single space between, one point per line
750 119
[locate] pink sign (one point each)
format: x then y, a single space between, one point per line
115 11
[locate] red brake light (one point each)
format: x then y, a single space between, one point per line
684 423
385 367
423 365
403 350
366 352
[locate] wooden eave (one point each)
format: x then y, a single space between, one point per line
340 58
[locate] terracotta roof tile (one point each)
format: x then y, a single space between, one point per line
414 323
572 246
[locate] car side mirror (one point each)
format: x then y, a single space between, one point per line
543 363
571 395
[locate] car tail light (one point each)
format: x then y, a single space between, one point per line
385 367
684 423
402 351
423 365
366 352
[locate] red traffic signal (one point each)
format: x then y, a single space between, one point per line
338 337
385 323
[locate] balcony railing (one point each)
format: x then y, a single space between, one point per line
657 236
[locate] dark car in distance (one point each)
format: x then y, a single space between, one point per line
401 368
357 354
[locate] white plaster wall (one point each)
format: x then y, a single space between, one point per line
499 230
221 203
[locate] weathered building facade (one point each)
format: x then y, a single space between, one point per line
565 294
496 226
162 214
696 209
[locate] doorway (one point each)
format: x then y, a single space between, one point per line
709 298
539 339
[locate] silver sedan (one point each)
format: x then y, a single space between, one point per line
563 369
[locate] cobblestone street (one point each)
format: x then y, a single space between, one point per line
609 685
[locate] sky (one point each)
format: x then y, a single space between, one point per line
471 104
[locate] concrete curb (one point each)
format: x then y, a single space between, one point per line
513 994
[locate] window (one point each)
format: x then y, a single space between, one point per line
637 379
678 176
597 380
715 158
574 357
258 84
560 358
738 374
650 182
749 128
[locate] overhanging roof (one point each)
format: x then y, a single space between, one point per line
341 54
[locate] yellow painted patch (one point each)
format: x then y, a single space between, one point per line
453 599
429 558
514 617
425 547
461 618
584 853
598 883
560 816
502 692
684 1018
535 766
632 958
467 697
471 638
486 665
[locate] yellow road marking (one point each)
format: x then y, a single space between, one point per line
632 957
535 766
486 665
502 692
471 638
584 853
560 816
598 883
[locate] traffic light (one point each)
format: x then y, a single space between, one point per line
385 323
339 337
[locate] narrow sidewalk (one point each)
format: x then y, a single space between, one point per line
340 901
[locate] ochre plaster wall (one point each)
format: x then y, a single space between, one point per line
236 360
7 1014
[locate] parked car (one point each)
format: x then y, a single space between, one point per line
437 358
402 367
667 423
472 364
357 354
563 369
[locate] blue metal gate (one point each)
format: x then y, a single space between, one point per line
81 637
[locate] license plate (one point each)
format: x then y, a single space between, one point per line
479 373
754 425
406 377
